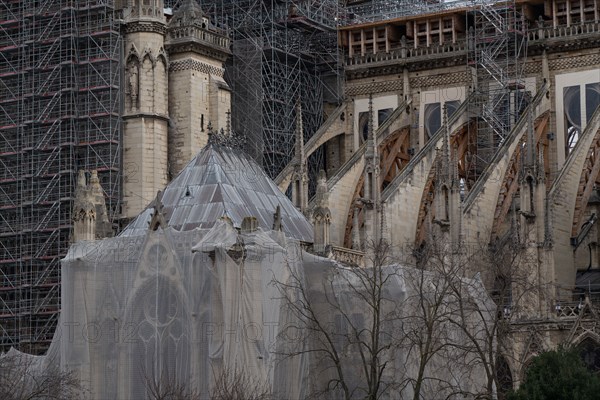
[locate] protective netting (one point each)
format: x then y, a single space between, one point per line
219 182
195 306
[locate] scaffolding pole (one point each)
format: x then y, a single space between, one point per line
362 11
497 55
60 67
282 51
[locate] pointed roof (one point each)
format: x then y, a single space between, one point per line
219 182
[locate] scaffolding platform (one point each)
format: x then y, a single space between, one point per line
60 66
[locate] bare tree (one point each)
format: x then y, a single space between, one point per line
230 384
234 384
344 339
376 330
167 386
23 377
470 273
428 334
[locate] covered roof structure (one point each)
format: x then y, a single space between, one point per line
223 182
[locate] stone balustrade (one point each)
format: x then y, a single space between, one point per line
407 53
568 310
348 256
544 33
410 53
219 40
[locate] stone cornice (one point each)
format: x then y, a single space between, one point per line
146 115
202 48
191 64
145 26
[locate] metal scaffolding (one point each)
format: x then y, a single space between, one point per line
497 55
282 51
360 11
60 66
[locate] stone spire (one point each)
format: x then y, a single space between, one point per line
446 167
371 152
528 173
139 10
228 123
530 158
321 216
444 176
448 207
299 135
103 224
188 14
356 241
541 167
371 160
371 197
90 217
300 177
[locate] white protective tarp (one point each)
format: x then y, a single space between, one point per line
190 307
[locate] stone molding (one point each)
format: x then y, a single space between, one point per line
146 115
194 46
447 79
146 26
195 65
574 62
374 87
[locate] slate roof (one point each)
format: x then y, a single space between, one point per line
221 182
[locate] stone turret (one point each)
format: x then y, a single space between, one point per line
532 178
372 187
534 229
321 216
300 176
90 216
146 114
198 94
448 211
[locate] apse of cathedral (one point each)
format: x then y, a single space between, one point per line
473 126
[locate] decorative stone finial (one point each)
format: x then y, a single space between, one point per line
158 218
249 224
277 219
81 181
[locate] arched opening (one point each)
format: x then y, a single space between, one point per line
161 82
433 120
589 349
363 127
159 349
572 116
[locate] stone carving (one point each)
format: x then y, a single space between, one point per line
277 219
574 62
158 217
375 87
230 139
133 70
440 80
196 66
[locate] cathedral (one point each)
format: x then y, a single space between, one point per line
474 128
441 136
